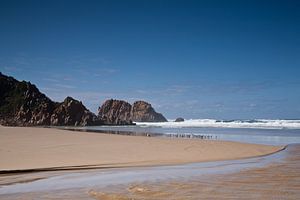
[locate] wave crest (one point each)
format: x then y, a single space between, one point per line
256 123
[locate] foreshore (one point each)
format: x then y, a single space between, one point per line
28 149
257 182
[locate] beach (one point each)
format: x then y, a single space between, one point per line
277 180
51 163
149 100
53 149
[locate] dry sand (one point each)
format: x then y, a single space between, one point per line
51 149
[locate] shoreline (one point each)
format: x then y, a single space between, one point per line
48 149
98 183
254 183
127 165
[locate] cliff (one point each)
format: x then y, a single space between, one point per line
22 104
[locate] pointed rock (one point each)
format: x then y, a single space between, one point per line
143 112
115 112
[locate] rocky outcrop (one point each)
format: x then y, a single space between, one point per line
121 112
22 104
115 112
73 113
143 112
179 119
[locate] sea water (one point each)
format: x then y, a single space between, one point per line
272 132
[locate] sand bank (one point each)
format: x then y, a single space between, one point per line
52 149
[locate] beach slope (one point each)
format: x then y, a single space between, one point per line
49 149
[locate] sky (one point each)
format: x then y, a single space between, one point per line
191 59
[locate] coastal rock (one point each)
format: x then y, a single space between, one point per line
179 119
115 112
73 113
121 112
22 104
143 112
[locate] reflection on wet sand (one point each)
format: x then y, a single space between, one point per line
277 179
280 180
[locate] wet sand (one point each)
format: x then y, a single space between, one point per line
278 178
48 149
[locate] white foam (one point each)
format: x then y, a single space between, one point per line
258 123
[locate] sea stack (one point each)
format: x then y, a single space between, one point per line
121 112
115 112
143 112
179 119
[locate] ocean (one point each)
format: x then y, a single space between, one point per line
258 131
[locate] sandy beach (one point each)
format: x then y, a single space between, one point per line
253 183
52 149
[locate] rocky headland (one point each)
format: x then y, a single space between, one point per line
22 104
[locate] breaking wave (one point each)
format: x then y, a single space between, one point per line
257 123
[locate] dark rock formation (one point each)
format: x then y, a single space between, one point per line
73 113
22 104
143 112
179 119
115 112
121 113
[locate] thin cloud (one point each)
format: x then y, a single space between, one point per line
11 68
51 80
64 86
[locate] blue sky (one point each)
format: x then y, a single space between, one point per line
195 59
